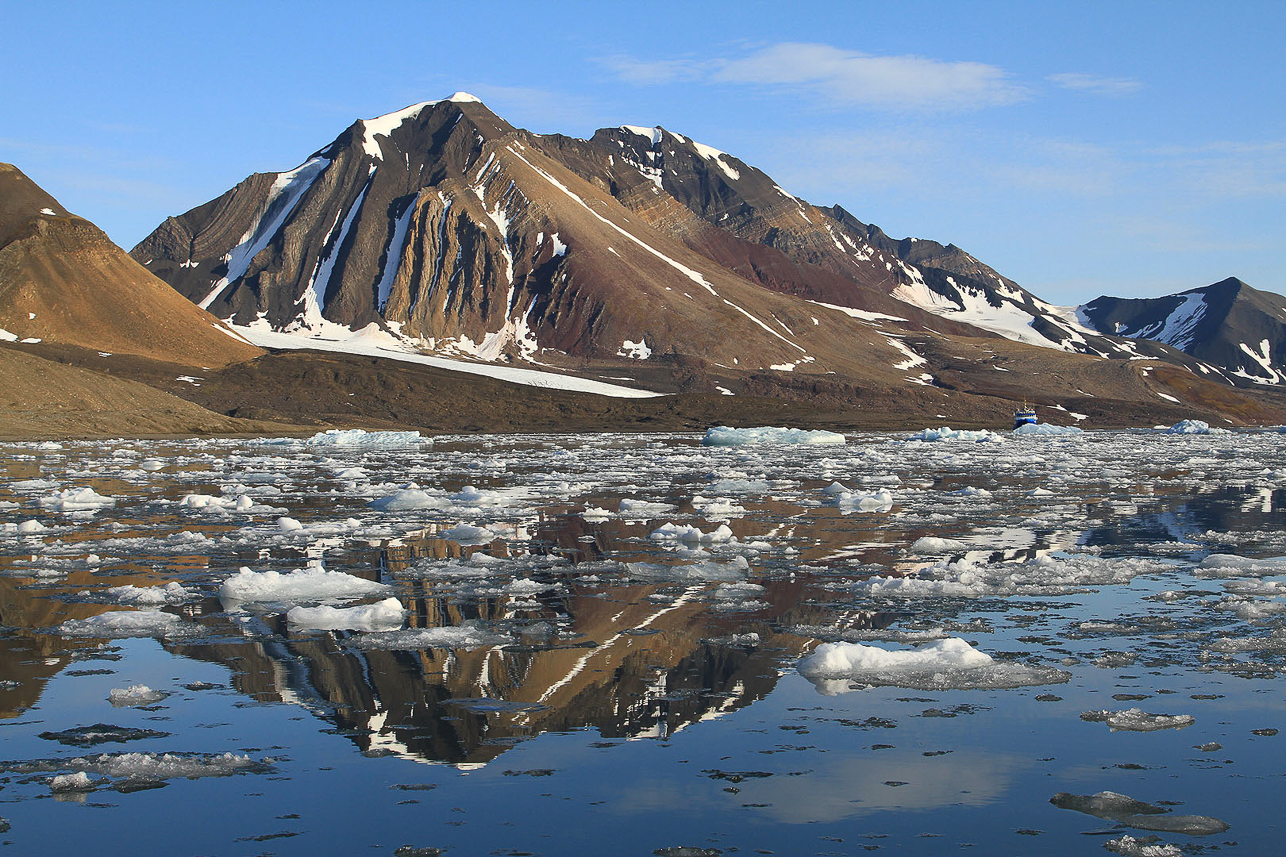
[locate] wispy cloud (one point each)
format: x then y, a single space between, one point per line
840 78
1097 85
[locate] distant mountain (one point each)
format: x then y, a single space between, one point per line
1229 326
63 281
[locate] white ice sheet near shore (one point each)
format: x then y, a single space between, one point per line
377 343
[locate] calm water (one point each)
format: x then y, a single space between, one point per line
571 676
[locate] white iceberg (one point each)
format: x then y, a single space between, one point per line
125 623
948 664
304 584
77 500
728 436
359 437
948 433
1138 720
385 615
135 695
1047 430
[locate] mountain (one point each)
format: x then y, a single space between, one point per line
444 225
1232 328
63 281
637 256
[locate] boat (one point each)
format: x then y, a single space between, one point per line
1025 416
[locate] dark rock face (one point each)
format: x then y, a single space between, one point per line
1233 329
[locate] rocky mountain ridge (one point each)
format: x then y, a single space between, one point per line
1237 331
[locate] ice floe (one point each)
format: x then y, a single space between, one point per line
1047 430
382 616
301 585
947 664
126 623
727 436
77 500
931 435
136 695
1137 720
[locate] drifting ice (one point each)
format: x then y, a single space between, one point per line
950 664
384 616
727 436
305 584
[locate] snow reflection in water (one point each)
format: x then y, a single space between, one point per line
986 607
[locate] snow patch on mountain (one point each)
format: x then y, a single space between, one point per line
1178 327
284 195
371 341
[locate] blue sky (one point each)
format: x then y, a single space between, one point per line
1081 148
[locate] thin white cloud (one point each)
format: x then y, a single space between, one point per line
852 78
840 78
1097 85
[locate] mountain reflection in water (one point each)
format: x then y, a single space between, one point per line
564 593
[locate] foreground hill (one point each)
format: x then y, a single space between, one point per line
1229 326
63 281
42 398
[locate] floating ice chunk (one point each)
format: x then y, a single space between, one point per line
1130 847
970 491
1137 720
467 534
643 508
735 569
947 433
466 636
727 436
359 437
135 695
949 664
288 525
125 623
1046 575
410 498
77 500
240 503
717 508
1193 427
304 584
385 615
1138 814
681 533
1047 430
29 528
77 782
170 593
1188 825
933 544
147 767
739 596
1251 609
1109 805
857 501
1227 566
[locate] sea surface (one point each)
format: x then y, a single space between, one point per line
636 644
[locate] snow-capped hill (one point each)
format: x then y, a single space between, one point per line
1228 325
442 227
